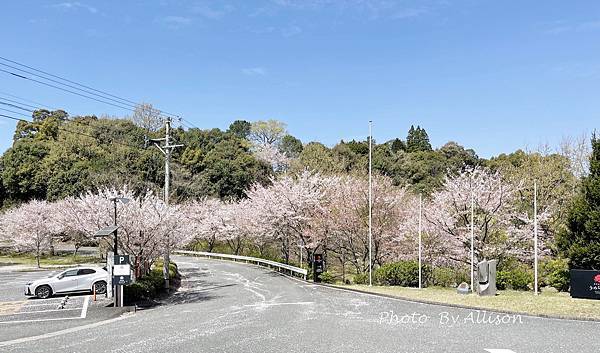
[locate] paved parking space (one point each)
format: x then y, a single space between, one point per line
12 284
52 309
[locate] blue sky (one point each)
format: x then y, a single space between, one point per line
492 75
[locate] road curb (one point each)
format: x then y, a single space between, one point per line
458 306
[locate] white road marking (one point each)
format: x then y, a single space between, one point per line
499 350
38 320
278 304
85 307
61 332
41 311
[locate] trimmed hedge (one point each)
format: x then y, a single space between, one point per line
327 277
517 278
401 273
555 273
151 285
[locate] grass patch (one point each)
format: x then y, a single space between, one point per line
45 260
547 303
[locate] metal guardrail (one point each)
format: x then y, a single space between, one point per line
273 264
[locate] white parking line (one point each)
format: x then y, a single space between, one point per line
40 320
42 311
85 307
61 332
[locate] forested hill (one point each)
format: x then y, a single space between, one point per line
55 156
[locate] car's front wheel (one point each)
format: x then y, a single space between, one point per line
100 287
43 292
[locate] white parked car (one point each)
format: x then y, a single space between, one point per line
73 280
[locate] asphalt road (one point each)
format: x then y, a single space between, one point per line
231 307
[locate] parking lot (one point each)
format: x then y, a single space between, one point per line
22 316
51 309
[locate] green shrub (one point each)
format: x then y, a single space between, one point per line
448 277
518 278
361 278
327 277
151 285
401 273
555 273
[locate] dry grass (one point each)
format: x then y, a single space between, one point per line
548 303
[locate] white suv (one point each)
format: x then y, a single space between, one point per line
80 279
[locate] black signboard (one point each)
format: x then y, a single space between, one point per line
585 284
121 280
121 259
318 267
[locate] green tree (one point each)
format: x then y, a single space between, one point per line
290 146
269 132
398 145
240 128
230 170
581 240
417 140
317 157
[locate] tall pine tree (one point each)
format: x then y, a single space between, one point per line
417 140
581 241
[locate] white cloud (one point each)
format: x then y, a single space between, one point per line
254 71
562 27
210 12
176 21
74 6
291 31
372 9
409 13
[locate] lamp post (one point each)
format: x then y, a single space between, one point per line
370 204
535 236
117 289
420 240
472 242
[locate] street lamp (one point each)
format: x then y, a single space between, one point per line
124 201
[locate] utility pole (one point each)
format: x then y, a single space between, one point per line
370 205
167 150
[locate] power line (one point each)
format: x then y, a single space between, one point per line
66 90
114 101
13 102
64 79
12 111
69 131
15 106
38 104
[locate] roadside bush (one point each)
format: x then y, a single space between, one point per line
151 285
361 278
517 278
555 273
448 277
401 273
327 277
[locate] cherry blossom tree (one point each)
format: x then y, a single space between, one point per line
210 220
145 222
272 155
392 211
30 227
286 209
496 231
